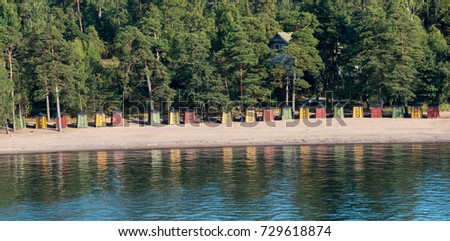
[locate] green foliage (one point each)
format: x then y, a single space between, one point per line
193 69
139 64
434 72
217 51
300 57
333 33
6 88
365 60
387 50
407 53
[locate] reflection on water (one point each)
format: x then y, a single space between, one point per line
322 182
358 151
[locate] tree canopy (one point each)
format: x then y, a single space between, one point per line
96 54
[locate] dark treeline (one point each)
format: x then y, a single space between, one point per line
80 54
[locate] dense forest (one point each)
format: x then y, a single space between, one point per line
72 55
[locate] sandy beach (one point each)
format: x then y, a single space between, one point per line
321 131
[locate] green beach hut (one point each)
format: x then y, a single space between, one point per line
339 111
397 111
286 113
82 121
154 118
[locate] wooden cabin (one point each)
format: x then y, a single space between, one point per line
280 40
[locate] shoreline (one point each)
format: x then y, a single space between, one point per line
135 137
209 146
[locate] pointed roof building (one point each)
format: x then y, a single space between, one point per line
280 39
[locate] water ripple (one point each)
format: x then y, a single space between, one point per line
322 182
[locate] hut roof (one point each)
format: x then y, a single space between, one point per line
282 37
286 36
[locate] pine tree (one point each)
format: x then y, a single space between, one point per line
54 62
99 86
239 57
256 82
434 71
174 13
10 38
299 57
194 73
371 50
6 99
332 33
265 13
138 61
407 50
366 61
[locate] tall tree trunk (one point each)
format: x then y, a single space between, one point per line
149 85
12 92
241 85
287 91
47 102
140 8
380 100
20 108
158 57
99 12
226 87
406 107
58 110
5 123
20 116
79 16
293 93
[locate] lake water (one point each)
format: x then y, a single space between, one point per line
322 182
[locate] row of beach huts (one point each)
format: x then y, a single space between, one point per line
174 117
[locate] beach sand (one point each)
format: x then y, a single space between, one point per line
321 131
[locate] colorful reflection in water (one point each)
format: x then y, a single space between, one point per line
322 182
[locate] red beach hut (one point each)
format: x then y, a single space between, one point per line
320 111
268 114
116 118
63 120
189 117
376 111
433 111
